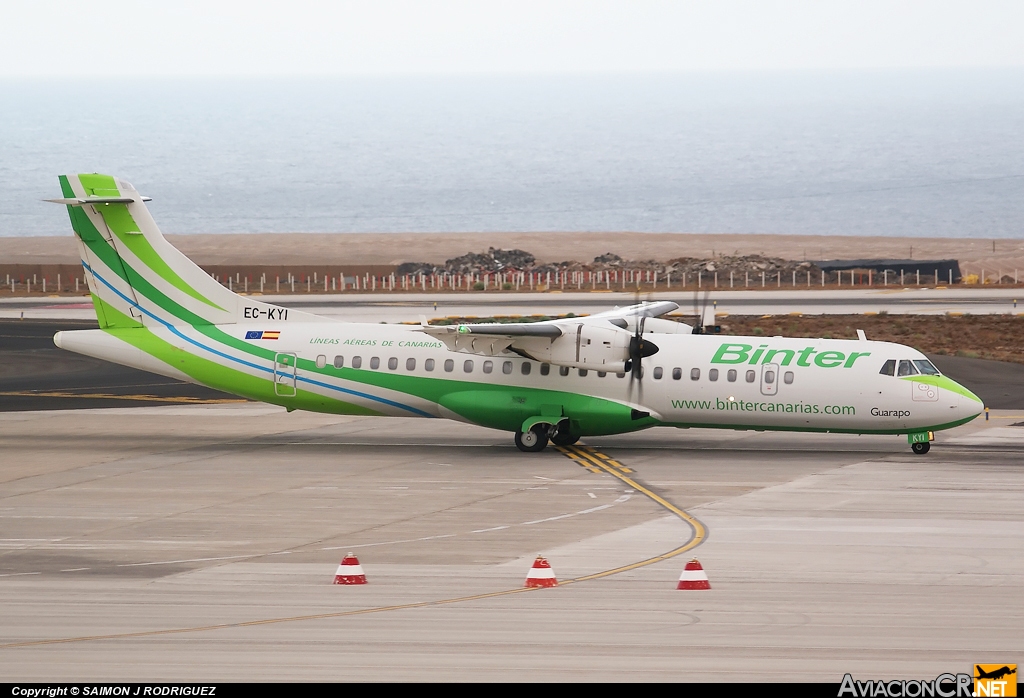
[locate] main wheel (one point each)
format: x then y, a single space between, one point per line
564 439
921 447
532 441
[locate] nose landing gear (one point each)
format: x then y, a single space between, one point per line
920 443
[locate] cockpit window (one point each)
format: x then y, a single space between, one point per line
906 368
926 367
889 368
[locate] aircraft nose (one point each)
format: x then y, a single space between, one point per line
969 403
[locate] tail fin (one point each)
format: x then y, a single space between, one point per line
135 276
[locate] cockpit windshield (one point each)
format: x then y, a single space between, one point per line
909 367
906 368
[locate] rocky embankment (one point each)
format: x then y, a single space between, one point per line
496 260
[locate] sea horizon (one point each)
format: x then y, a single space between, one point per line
912 153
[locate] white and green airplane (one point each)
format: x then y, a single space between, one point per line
618 371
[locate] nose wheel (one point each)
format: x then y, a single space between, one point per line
921 447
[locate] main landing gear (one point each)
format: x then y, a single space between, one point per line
564 439
921 447
537 438
534 440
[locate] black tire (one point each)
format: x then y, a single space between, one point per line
532 441
921 447
564 439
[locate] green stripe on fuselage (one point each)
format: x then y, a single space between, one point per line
120 221
945 383
215 375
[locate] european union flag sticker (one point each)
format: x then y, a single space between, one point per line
254 334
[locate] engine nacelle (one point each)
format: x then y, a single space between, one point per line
582 345
654 325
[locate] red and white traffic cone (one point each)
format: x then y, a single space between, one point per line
693 577
541 574
350 571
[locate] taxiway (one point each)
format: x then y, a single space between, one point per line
198 542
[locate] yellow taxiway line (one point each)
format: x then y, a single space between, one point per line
582 454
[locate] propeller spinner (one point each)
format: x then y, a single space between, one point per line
639 349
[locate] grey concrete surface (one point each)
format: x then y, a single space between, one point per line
827 554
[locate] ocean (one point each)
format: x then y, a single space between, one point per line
892 153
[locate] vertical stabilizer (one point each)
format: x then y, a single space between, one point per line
135 276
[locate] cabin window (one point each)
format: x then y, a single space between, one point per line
787 377
695 374
545 369
339 362
906 368
769 377
677 373
321 361
449 365
583 372
889 368
357 362
620 375
713 374
563 370
410 364
428 365
751 376
601 374
375 362
926 367
392 363
526 368
658 373
506 367
730 375
467 365
488 366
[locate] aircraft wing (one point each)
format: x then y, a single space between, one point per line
552 329
656 309
600 341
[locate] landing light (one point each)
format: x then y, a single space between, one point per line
732 399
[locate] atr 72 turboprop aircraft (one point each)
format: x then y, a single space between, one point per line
618 371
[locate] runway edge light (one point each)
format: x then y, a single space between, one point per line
350 571
693 576
541 574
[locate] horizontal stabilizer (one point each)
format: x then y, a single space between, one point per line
97 200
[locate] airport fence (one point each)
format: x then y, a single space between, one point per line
43 280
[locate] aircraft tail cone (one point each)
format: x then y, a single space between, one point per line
541 574
693 577
350 571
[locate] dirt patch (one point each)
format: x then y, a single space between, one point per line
999 337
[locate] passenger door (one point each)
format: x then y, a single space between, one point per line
769 379
284 374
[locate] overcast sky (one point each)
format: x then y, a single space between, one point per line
335 37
